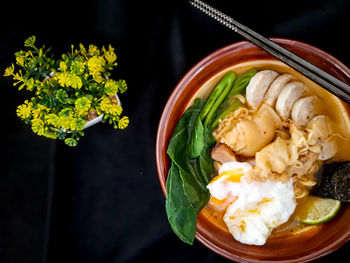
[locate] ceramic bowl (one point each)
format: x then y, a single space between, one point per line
298 248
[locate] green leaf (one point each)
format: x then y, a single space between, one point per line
241 83
71 142
71 100
79 124
61 135
122 85
186 197
206 163
178 144
62 96
231 107
197 139
89 96
224 84
227 83
181 214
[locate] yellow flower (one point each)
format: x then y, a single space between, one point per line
105 105
122 85
77 67
65 122
63 79
21 57
111 87
75 81
20 61
97 76
110 107
123 122
82 106
82 49
29 54
66 112
110 56
29 42
93 50
9 70
38 126
23 111
115 110
39 111
29 83
96 64
66 117
50 134
53 119
29 103
69 80
63 66
77 124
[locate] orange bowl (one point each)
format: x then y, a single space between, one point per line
303 247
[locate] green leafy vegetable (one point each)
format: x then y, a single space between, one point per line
188 177
215 99
216 93
179 208
182 135
228 105
225 112
189 150
241 83
197 140
227 82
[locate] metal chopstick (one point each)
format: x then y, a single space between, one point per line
325 80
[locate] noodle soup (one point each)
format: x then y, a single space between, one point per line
307 151
191 219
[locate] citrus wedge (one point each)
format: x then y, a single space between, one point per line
319 210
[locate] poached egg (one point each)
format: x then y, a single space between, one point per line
253 209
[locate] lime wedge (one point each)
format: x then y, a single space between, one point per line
319 210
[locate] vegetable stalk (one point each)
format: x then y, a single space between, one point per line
223 114
241 83
224 86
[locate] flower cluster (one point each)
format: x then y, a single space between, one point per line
69 91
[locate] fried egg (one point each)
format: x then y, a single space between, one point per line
253 209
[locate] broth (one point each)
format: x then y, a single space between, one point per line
334 108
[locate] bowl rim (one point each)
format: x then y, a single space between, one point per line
168 110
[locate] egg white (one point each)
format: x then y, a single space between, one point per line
257 208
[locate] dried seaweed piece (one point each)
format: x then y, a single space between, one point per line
333 182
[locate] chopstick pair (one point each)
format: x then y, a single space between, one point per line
325 80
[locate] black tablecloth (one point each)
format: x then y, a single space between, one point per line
101 201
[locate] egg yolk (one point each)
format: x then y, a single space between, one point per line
233 176
217 201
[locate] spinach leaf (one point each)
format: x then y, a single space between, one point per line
206 163
178 144
188 177
197 140
180 212
208 112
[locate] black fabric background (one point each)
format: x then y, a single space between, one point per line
101 202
